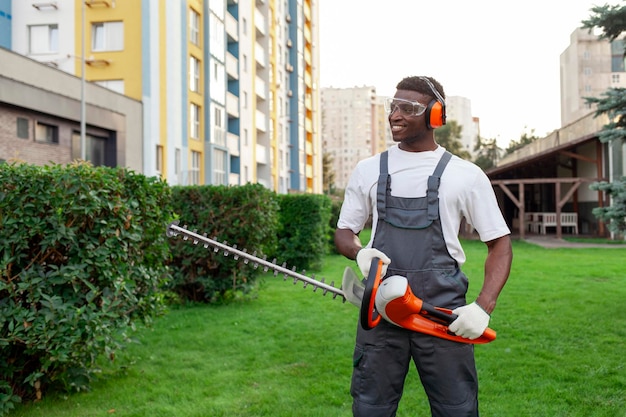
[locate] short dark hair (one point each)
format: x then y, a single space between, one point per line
417 83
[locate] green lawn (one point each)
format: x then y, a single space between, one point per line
560 350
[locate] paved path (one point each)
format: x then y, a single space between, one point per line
548 241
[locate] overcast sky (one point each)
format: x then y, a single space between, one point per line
502 55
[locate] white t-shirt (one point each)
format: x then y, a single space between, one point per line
464 191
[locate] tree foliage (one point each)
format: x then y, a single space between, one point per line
487 153
449 136
328 173
524 140
612 103
611 19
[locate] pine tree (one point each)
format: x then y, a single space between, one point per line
612 21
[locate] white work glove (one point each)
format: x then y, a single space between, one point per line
364 260
471 322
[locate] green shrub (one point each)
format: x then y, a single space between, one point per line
82 257
304 229
245 216
335 210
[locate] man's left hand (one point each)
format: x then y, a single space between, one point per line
471 322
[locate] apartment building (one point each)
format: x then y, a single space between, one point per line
229 87
459 109
350 128
589 66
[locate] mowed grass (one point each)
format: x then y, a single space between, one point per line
560 349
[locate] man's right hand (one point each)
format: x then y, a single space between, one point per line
364 260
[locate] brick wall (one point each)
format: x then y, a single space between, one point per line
28 150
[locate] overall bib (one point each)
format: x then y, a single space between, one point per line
409 232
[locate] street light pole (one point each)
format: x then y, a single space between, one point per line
83 139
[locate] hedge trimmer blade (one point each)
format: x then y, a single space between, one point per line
403 309
174 230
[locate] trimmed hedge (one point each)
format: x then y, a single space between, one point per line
245 216
82 259
304 230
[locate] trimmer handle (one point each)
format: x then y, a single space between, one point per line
369 315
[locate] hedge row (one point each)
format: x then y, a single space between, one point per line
84 257
81 260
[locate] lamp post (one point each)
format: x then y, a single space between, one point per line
83 140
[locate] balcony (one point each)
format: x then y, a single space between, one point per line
49 5
232 105
232 142
232 29
262 154
232 66
260 88
261 121
259 23
259 55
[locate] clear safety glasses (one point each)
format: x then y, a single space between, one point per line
406 107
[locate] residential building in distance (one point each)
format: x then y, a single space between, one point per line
350 128
589 67
229 87
383 132
459 109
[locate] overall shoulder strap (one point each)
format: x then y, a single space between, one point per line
383 185
433 186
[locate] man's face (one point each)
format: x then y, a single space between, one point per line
407 115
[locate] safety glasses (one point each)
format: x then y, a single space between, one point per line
406 107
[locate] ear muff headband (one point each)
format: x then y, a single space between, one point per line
436 109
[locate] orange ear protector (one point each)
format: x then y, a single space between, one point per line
436 109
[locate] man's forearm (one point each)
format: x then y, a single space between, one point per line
347 243
497 269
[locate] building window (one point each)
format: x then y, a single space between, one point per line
194 121
194 74
44 39
159 159
219 134
219 167
177 162
114 85
194 27
617 56
46 133
194 172
96 150
615 78
22 128
107 36
617 63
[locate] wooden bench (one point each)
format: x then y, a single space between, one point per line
541 221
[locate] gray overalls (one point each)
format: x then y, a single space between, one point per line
409 232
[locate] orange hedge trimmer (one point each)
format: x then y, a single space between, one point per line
391 298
